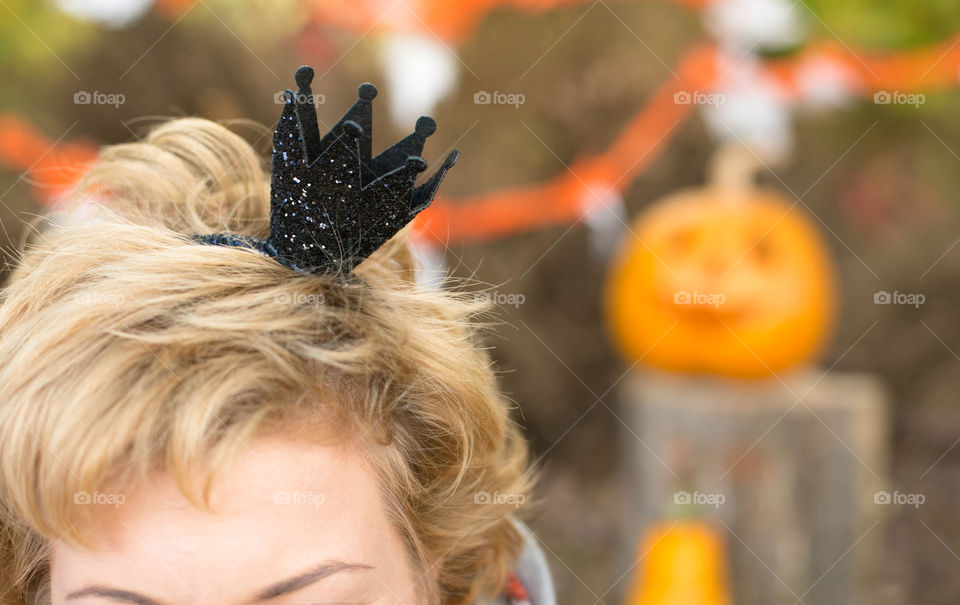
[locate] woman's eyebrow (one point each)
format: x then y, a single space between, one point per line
122 596
314 574
302 580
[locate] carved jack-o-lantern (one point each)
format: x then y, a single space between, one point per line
727 279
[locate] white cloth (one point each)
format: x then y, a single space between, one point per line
532 571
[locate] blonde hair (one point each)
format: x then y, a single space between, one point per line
126 348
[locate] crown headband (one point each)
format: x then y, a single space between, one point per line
331 204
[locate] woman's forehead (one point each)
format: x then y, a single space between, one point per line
281 502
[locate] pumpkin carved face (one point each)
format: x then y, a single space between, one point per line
732 282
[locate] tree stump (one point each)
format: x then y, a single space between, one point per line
790 469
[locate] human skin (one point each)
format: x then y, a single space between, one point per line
284 508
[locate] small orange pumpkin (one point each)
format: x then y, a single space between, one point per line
683 563
727 279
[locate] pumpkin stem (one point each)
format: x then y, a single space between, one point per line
732 171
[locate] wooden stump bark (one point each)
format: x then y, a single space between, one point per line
790 469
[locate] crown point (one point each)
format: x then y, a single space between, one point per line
416 163
451 158
368 91
304 76
426 126
352 129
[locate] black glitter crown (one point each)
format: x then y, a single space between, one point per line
331 204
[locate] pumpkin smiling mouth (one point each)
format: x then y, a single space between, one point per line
701 313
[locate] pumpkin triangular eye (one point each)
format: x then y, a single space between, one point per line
681 241
763 250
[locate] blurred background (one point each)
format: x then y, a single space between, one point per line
722 236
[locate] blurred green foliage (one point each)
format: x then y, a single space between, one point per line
32 35
888 23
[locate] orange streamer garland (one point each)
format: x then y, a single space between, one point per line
52 169
450 21
563 199
560 200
